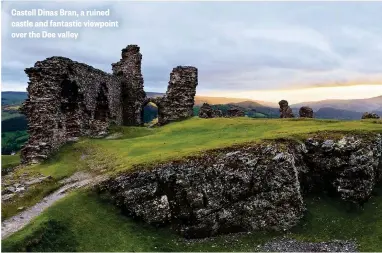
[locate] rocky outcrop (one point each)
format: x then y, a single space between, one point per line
206 111
306 112
235 112
225 191
252 187
368 115
285 110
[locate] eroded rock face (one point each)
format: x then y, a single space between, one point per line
228 191
206 111
368 115
285 110
349 167
249 187
306 112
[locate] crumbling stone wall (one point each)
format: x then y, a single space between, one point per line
178 102
133 95
306 112
67 99
285 110
368 115
206 111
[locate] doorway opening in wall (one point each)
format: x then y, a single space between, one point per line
102 106
150 114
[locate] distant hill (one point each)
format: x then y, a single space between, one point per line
199 100
13 97
334 113
356 105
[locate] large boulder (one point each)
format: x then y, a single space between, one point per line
306 112
285 110
368 115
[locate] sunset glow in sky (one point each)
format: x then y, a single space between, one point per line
307 94
260 50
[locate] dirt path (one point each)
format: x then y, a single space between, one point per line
17 222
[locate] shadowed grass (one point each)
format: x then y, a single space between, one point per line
96 225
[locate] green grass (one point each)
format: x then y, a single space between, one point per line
85 222
195 135
145 146
9 161
32 197
79 214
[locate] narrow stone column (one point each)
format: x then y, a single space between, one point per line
179 100
133 95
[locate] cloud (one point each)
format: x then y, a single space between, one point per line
237 46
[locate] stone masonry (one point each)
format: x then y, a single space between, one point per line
178 102
133 95
306 112
67 99
285 110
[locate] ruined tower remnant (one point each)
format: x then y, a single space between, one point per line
285 110
368 115
133 94
206 111
306 112
178 102
67 99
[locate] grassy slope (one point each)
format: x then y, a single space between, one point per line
140 145
195 135
89 223
176 140
9 161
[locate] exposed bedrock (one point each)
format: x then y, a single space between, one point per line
253 187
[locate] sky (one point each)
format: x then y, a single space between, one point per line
299 51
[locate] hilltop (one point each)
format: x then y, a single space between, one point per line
129 149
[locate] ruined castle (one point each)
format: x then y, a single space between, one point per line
67 99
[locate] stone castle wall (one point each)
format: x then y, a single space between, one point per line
133 95
67 99
178 102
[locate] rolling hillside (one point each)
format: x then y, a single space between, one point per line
85 221
356 105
